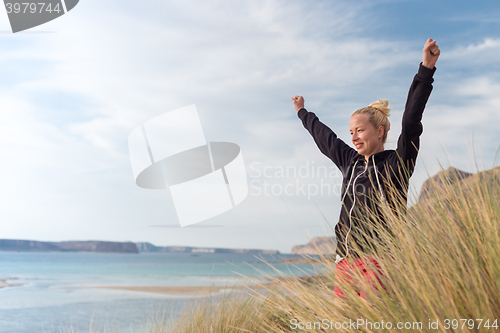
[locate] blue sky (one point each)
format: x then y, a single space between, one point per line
73 89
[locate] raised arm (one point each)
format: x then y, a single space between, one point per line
326 140
420 90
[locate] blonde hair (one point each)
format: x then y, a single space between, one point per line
378 115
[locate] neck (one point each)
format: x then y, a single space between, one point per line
378 150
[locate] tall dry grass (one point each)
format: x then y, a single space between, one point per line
440 263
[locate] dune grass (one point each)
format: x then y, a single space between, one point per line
440 263
440 267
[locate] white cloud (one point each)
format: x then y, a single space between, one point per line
483 52
239 62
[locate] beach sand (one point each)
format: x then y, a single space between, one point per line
189 291
173 291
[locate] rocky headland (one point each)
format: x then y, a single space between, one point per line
67 246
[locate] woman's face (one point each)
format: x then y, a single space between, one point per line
364 136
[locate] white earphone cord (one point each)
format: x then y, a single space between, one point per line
338 257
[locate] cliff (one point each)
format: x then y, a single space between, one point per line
148 247
448 176
460 181
69 246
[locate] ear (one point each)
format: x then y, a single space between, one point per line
380 132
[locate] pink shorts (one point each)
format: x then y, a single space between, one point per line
372 277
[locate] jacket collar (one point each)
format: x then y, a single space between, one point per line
380 156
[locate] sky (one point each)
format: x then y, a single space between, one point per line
73 89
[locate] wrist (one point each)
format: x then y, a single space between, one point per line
428 65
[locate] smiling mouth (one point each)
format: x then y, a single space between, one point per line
358 145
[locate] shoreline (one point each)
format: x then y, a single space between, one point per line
4 284
193 291
173 290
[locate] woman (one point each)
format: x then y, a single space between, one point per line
367 169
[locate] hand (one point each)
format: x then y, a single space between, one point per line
431 53
298 102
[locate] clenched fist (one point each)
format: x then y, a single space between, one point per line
298 102
431 53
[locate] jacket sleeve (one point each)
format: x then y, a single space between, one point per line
409 140
326 140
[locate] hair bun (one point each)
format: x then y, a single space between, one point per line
381 105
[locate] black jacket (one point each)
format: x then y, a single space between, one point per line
370 178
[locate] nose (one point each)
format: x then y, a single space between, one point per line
354 136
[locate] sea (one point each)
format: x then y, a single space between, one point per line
54 291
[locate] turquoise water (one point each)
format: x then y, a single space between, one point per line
54 294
